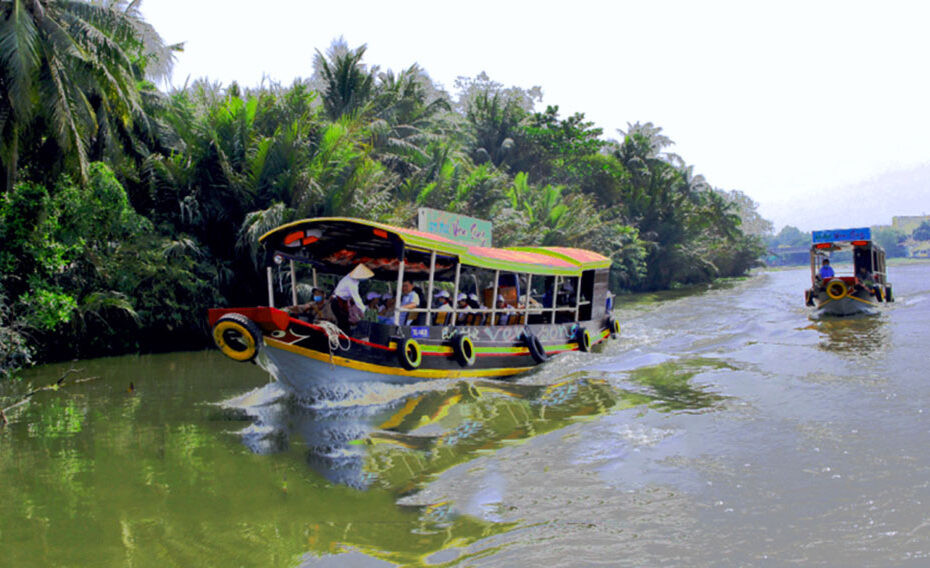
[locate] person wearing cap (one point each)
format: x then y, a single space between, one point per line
442 306
462 307
346 291
373 308
826 271
461 302
505 311
442 301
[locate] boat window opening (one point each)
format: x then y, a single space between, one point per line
504 287
586 294
455 293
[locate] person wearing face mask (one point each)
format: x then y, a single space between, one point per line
318 309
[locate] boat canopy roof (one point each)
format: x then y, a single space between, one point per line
335 244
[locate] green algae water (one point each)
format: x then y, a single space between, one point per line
724 428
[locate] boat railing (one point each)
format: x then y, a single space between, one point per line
509 311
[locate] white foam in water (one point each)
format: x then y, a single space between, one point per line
379 394
643 436
270 393
630 360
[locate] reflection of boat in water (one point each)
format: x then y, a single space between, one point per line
399 444
393 440
854 336
531 303
844 295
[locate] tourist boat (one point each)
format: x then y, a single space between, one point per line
847 294
532 303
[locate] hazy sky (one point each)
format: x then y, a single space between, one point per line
796 104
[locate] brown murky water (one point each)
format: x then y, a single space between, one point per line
723 428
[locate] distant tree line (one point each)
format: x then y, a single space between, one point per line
893 241
127 211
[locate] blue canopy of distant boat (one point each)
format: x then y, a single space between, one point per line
841 235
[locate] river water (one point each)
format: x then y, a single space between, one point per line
724 428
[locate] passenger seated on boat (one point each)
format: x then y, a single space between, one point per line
865 281
317 309
410 300
442 305
463 309
508 316
386 313
373 306
826 271
475 318
566 296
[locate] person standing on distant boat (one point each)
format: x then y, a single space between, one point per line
346 290
826 271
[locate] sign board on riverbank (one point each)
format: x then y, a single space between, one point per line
459 228
842 235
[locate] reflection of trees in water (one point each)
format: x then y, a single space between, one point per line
670 383
854 335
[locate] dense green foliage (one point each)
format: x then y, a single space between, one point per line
128 211
891 240
922 232
791 237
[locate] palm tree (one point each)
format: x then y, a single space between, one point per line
67 65
348 86
405 110
493 118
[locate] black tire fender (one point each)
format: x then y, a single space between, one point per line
537 351
409 353
464 349
837 289
583 336
237 337
613 326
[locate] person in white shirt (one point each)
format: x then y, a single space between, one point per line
346 291
505 311
410 300
442 301
462 307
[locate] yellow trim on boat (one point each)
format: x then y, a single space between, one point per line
385 370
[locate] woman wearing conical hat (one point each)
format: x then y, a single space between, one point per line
347 289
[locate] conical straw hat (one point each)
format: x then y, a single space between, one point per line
361 272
